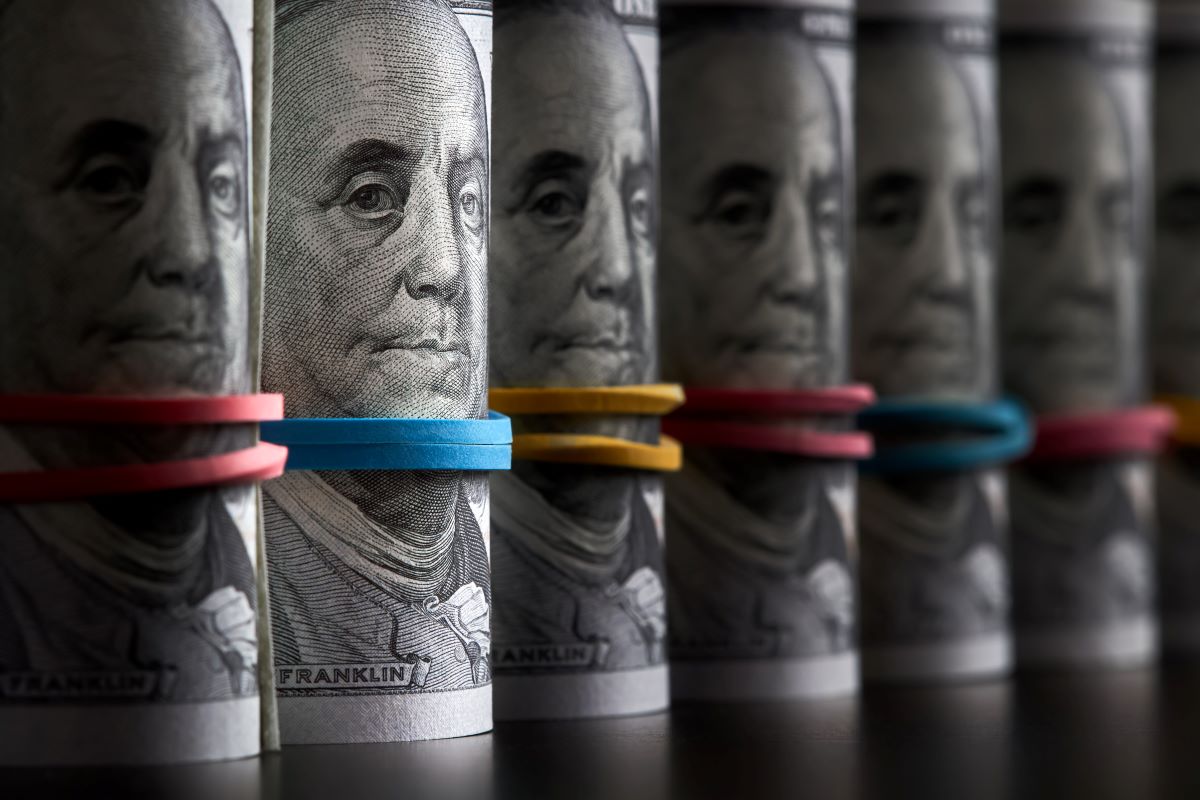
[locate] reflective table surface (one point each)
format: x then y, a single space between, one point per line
1125 734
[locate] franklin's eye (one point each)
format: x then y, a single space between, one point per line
224 189
1179 209
741 214
554 203
470 206
370 198
1036 207
110 180
639 211
892 205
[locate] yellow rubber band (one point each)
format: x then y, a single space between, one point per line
651 398
1187 410
570 448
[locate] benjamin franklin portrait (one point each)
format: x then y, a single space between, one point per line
1176 323
923 272
1070 288
576 548
375 307
124 238
754 269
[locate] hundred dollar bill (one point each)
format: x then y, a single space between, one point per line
127 623
376 306
1074 124
757 140
934 576
580 619
1175 325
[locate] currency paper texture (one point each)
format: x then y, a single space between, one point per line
1074 124
1175 323
757 139
580 620
376 306
934 575
127 623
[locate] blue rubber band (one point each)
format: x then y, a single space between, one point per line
496 429
394 444
1004 423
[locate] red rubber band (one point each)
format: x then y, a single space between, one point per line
258 463
1134 431
848 399
774 438
138 409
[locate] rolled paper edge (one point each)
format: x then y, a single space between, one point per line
138 409
610 451
495 430
641 399
849 445
1143 430
249 465
849 399
400 456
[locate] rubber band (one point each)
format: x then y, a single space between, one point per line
648 399
1130 431
772 438
258 463
569 448
1187 416
495 430
139 410
399 456
1003 424
779 402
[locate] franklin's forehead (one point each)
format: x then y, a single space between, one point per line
151 64
1060 115
566 60
761 75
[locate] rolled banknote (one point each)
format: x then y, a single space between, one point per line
127 622
580 618
756 157
1174 323
934 579
1074 124
376 306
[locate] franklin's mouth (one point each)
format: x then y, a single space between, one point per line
166 335
428 346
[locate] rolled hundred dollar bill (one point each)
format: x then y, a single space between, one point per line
375 306
1074 123
756 121
580 617
127 622
1174 324
934 579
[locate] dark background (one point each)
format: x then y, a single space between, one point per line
1122 734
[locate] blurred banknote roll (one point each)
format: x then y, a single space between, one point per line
1174 321
934 577
580 620
127 622
1074 110
376 306
756 164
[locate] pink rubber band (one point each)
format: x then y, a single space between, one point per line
773 438
1134 431
139 410
779 402
258 463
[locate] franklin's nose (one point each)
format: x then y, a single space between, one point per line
609 262
941 248
434 268
183 255
1085 266
791 248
